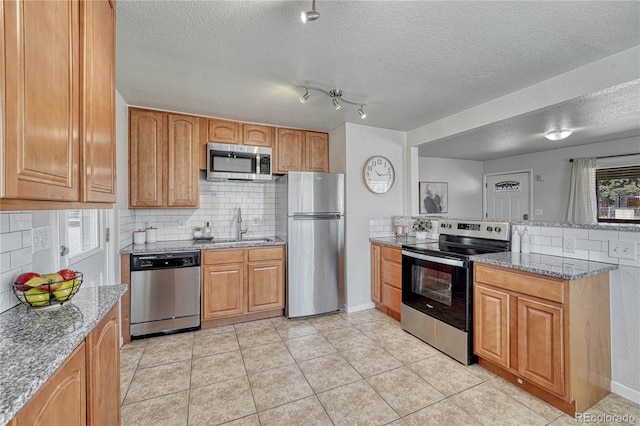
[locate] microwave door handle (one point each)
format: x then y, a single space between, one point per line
434 259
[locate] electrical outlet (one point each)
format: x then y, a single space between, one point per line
622 249
255 220
537 212
41 238
569 244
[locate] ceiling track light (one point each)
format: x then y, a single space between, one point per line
336 99
311 15
304 97
559 134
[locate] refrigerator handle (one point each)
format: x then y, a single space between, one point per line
318 217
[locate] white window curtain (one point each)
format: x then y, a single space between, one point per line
582 195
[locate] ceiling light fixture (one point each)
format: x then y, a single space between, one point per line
304 97
556 135
336 98
311 15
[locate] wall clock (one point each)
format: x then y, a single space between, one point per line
378 174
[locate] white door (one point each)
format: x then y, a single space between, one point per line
507 196
83 234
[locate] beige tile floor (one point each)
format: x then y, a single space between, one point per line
344 369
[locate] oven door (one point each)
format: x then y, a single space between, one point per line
438 286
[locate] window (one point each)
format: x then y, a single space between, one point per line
83 233
618 194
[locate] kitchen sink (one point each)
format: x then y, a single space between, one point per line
247 241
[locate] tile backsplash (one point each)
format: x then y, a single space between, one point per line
15 253
219 203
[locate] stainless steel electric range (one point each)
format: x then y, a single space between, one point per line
437 292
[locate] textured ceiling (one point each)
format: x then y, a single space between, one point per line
411 62
602 116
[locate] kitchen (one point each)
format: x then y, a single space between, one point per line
350 145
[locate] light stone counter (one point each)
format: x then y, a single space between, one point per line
552 266
34 343
398 242
190 245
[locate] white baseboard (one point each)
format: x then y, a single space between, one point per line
361 307
625 392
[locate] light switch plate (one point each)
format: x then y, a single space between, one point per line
569 244
622 249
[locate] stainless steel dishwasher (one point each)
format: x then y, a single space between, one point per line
165 292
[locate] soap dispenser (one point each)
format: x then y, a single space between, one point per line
515 241
525 241
206 232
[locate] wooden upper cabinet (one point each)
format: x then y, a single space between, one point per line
98 102
256 135
290 153
225 131
62 399
146 147
103 364
182 161
317 151
41 111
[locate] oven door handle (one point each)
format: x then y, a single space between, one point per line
434 259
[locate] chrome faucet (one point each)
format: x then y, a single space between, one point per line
239 230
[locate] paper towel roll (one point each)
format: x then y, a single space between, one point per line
152 235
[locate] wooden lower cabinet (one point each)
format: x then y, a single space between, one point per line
242 284
85 389
491 315
222 291
549 336
103 371
386 278
62 399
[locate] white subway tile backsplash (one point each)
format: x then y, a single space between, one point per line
591 245
4 222
541 240
551 231
629 236
576 233
10 241
577 254
599 256
7 300
21 257
552 251
556 241
596 234
27 238
19 221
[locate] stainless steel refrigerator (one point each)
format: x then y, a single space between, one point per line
310 218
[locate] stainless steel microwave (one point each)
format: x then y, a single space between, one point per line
238 162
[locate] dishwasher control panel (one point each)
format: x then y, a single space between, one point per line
146 261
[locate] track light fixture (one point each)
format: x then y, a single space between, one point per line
304 97
311 15
336 98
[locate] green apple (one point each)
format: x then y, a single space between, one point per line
34 297
36 282
53 282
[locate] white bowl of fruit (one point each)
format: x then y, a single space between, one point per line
39 291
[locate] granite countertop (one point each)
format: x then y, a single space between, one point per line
398 242
33 344
552 266
629 227
190 245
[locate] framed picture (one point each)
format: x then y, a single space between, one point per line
434 197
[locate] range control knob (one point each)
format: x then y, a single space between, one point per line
442 225
498 229
489 229
448 225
